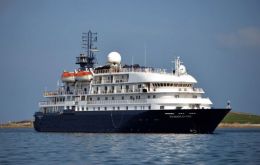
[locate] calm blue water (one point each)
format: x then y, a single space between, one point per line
226 146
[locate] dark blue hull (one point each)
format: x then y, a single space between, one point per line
131 121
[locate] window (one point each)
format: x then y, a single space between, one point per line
177 96
135 107
93 108
126 107
149 107
161 107
105 98
114 108
123 97
105 108
118 108
98 98
154 96
90 98
113 98
148 96
99 108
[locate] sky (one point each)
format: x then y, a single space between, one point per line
218 41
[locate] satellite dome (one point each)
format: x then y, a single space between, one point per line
182 69
114 58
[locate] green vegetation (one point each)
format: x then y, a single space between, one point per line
242 118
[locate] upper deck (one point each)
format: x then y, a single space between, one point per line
143 74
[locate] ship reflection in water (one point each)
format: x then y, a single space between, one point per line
225 146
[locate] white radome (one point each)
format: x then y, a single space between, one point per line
182 69
114 58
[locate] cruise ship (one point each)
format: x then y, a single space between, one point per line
121 98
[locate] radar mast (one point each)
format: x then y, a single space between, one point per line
87 59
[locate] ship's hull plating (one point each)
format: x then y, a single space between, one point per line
131 121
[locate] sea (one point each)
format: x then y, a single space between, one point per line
225 146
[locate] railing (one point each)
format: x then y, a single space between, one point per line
137 101
150 70
64 103
198 90
55 93
105 102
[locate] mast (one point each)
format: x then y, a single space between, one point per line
177 66
87 59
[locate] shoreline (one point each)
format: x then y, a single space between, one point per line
221 125
238 125
20 124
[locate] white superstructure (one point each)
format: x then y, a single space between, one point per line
117 87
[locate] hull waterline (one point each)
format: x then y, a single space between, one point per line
131 121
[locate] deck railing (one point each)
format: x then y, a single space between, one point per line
143 69
104 102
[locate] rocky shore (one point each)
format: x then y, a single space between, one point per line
18 124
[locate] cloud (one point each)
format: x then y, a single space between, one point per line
245 37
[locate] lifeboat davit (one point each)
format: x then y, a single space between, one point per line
83 76
68 77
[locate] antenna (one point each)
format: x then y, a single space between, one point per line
87 59
144 55
132 62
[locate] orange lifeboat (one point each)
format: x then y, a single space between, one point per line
83 76
68 77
